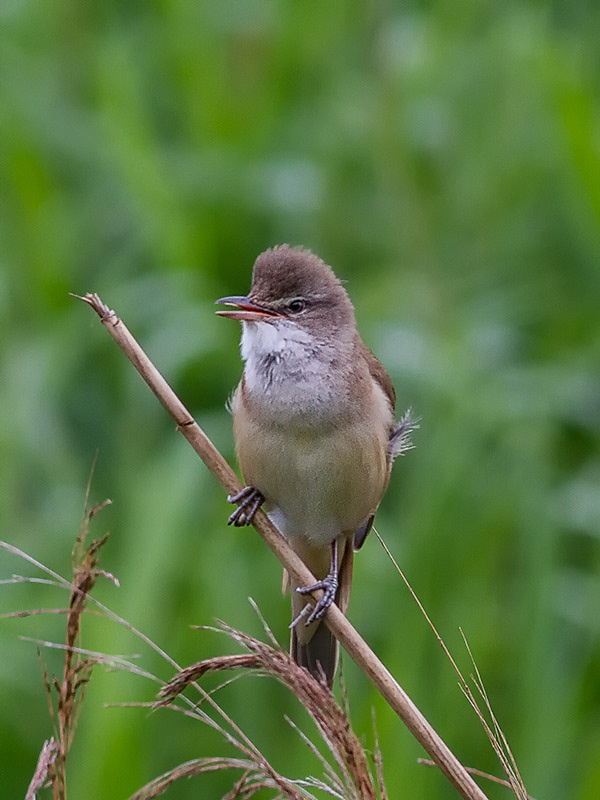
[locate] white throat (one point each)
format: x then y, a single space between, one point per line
288 372
279 339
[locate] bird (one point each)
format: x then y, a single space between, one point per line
315 431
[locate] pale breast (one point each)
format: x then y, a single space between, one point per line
311 427
289 377
319 482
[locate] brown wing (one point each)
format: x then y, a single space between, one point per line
361 534
379 373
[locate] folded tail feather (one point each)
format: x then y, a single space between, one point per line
314 646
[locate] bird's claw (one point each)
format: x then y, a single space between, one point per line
304 613
329 585
249 500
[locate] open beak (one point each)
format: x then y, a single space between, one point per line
245 309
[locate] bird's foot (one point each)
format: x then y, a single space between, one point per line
248 501
329 585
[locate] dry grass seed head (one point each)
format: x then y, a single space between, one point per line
314 695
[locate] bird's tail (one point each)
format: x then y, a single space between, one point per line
314 646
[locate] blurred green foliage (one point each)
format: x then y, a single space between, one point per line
445 159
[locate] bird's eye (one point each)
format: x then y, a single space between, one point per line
297 305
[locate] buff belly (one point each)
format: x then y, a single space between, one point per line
317 485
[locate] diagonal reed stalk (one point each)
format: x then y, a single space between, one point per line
348 637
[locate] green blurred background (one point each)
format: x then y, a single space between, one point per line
445 159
